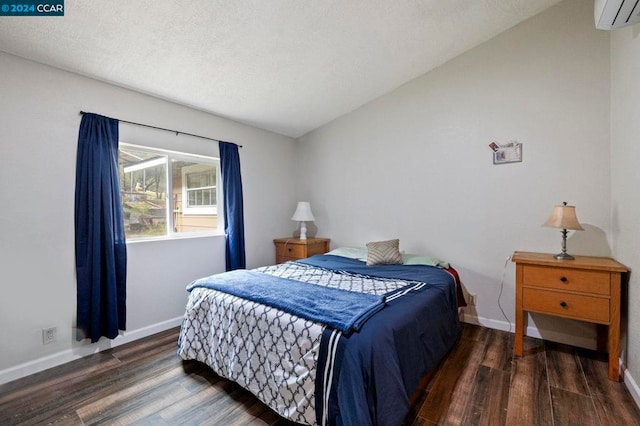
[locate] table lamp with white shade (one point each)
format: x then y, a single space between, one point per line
303 214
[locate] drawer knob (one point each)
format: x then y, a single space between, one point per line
563 304
564 279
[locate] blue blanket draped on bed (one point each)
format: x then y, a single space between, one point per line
343 310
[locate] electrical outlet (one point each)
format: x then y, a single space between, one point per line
472 299
49 335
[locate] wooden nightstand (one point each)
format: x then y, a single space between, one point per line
586 289
295 248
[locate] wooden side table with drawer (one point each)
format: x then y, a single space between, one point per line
295 248
586 289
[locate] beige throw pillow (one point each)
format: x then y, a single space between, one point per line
384 253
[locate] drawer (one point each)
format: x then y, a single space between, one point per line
316 248
582 307
578 280
295 251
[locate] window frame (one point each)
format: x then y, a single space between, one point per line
171 157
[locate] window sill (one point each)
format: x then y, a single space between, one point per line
181 236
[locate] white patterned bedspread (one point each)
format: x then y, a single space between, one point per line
269 352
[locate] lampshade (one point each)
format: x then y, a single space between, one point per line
563 217
303 212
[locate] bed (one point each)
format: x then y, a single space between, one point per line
361 369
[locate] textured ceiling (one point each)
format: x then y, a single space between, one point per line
288 66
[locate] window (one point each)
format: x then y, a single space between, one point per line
199 190
166 193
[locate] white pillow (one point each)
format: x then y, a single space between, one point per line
359 253
415 259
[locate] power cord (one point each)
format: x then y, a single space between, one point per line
504 271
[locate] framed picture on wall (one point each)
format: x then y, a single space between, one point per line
510 153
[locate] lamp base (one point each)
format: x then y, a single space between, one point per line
564 256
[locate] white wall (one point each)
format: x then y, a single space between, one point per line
39 121
415 164
625 178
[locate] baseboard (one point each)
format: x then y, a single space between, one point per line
130 336
532 331
82 350
632 386
487 322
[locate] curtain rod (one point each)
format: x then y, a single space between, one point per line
177 132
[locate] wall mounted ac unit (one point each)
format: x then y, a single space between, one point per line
612 14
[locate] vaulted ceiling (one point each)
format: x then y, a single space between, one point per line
288 66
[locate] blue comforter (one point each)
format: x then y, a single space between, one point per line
366 378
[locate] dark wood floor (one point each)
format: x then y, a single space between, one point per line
479 383
482 383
